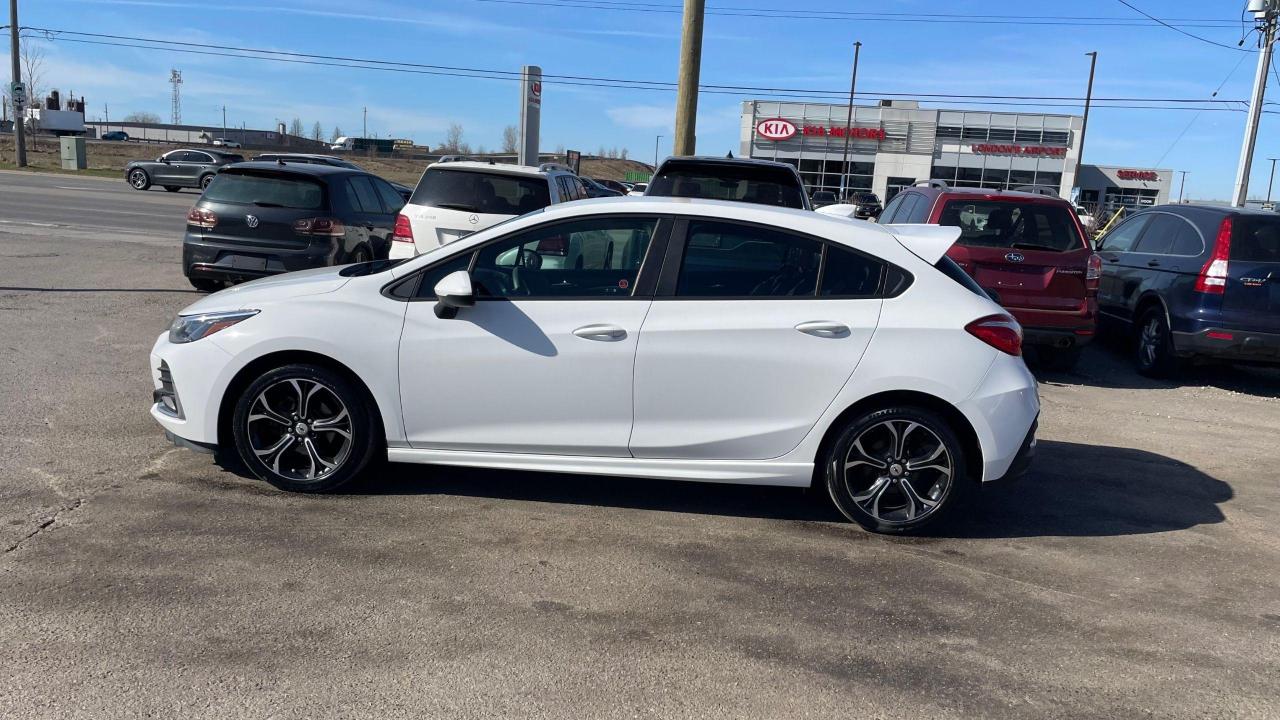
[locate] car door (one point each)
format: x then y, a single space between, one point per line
744 348
542 363
167 169
369 214
189 166
1114 249
384 223
1252 296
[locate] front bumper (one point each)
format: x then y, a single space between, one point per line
192 374
1225 344
202 258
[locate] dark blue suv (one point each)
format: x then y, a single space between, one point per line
1194 281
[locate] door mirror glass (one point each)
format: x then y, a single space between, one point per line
163 159
454 291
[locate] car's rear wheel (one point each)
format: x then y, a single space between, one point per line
1153 345
897 470
205 284
172 188
205 180
359 255
139 179
305 428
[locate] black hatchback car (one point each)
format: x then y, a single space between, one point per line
764 182
264 218
179 169
1194 281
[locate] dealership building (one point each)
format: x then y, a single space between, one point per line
896 143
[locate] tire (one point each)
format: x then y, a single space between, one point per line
172 188
1059 359
289 427
139 179
919 452
206 285
205 180
1153 345
359 255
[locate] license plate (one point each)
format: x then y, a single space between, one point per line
243 262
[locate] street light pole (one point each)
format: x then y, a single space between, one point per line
1088 101
224 121
656 140
848 125
1267 18
1272 180
685 141
19 131
1183 186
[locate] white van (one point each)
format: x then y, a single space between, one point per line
455 199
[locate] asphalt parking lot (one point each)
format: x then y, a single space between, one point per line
1132 573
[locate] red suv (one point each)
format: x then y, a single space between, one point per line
1026 249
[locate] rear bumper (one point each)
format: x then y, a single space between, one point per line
204 259
1224 344
402 251
1025 455
1057 337
1003 412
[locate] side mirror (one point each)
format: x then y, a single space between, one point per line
163 159
452 292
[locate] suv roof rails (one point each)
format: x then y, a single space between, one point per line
453 158
548 166
937 184
1036 190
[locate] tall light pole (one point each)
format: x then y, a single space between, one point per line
848 124
1267 19
1088 101
656 140
1272 180
1183 186
684 141
19 131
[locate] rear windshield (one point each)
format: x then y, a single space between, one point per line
1003 224
1255 239
761 185
481 192
266 190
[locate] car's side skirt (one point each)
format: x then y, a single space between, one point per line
744 472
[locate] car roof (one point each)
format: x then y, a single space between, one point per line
1224 209
988 193
732 210
297 168
477 165
714 160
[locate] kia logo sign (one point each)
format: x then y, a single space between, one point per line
1014 257
776 129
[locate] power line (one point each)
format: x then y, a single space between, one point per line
1195 117
1180 30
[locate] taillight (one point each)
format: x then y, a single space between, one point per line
205 219
1093 274
1213 276
403 231
999 331
328 227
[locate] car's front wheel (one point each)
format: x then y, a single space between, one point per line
305 428
139 179
897 470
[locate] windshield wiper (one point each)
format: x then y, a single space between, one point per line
458 206
260 203
1033 246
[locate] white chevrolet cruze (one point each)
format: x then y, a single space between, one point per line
639 337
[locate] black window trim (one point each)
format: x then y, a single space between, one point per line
669 281
646 279
1142 236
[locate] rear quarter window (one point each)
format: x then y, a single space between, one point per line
1255 239
267 190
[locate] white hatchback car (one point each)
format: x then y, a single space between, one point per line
454 199
640 337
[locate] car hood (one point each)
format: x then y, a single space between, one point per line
272 289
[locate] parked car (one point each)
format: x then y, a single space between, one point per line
118 135
177 169
744 373
822 198
1087 220
638 189
866 205
223 142
1194 282
596 190
1027 250
263 218
618 187
455 199
763 182
315 159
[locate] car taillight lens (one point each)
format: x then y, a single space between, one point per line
999 331
1093 273
201 218
1213 276
328 227
403 231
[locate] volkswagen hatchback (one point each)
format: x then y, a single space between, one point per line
653 337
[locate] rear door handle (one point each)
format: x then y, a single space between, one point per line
606 333
1153 263
823 328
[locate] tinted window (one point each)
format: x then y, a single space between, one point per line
1255 239
1158 239
433 275
891 210
391 200
849 274
1123 237
265 189
910 201
728 260
745 183
949 268
481 192
1004 224
594 257
365 196
1187 241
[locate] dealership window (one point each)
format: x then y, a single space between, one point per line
945 173
949 132
1130 197
969 177
1052 179
1001 134
1027 136
995 178
975 133
1056 137
1022 177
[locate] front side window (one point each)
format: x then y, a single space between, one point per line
592 257
1123 237
1006 224
481 192
728 260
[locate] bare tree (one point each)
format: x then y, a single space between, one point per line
453 138
601 152
296 128
465 148
510 139
317 132
560 149
624 153
32 58
142 116
337 133
480 150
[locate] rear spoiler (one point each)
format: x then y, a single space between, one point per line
843 210
927 242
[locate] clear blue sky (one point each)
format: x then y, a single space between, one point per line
974 58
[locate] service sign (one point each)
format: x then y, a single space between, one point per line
776 129
1137 175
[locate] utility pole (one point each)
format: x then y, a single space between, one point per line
106 113
224 121
1271 181
1088 101
19 132
1266 20
1183 186
685 141
656 140
848 125
366 123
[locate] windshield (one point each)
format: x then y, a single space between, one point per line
265 190
481 192
1004 224
744 183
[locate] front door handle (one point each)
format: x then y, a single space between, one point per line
601 332
1153 263
823 328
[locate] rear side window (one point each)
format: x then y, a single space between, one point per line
949 268
744 183
391 200
891 210
1158 239
266 190
1255 239
481 192
366 198
729 260
849 274
1021 225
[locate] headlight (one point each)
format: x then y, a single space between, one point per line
189 328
